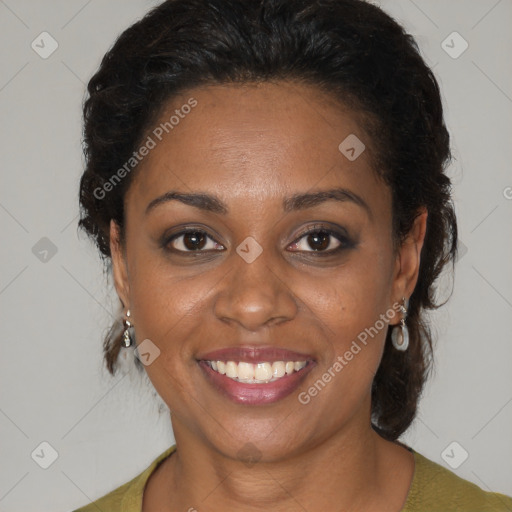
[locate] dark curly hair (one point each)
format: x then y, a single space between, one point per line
350 49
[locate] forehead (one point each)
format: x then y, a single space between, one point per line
253 143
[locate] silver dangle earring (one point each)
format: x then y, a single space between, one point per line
127 337
400 333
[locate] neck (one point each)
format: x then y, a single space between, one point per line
348 471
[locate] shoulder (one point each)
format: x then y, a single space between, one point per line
111 501
435 488
127 497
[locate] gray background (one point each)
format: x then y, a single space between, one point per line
55 308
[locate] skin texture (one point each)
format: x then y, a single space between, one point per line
252 146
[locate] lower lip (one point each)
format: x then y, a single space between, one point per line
255 394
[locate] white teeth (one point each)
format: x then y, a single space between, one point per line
278 369
245 371
263 372
231 369
256 373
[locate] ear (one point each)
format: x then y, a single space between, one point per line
119 266
407 263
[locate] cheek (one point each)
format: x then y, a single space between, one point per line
353 306
353 318
354 295
166 308
160 297
169 312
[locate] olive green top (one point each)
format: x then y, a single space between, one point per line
433 489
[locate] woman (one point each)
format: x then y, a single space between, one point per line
267 180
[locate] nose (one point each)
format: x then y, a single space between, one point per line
255 295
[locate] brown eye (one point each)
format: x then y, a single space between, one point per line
319 241
192 241
322 240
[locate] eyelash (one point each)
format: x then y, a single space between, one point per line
345 242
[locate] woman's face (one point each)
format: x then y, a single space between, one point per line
249 284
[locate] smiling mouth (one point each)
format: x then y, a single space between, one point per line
256 373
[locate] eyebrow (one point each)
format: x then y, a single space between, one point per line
310 199
203 201
295 202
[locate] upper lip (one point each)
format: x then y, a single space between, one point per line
254 355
